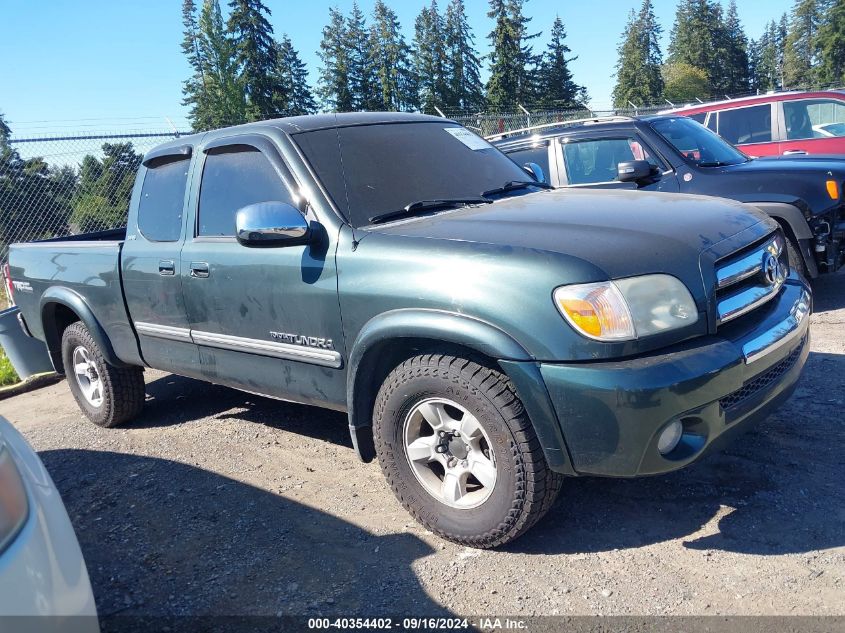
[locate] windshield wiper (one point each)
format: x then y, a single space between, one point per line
513 185
422 206
715 163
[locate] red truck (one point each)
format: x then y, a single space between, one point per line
784 123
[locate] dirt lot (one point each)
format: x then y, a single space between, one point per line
219 502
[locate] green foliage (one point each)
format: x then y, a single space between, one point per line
363 81
766 63
464 67
513 64
255 55
555 86
334 88
101 200
734 44
294 97
215 91
800 63
638 71
391 57
831 44
430 58
8 376
684 82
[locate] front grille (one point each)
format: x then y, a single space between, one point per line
762 381
750 277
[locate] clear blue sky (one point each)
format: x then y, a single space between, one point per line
110 65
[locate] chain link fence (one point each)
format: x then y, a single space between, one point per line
65 185
59 186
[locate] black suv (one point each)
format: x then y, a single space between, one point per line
677 154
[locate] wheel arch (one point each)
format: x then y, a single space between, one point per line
59 307
392 337
796 228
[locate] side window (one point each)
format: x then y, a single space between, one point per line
814 118
595 161
746 125
699 117
162 201
234 177
539 155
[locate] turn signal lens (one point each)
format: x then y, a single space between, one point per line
833 189
596 310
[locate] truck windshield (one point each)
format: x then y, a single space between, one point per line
374 170
698 144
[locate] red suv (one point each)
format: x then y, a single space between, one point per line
778 123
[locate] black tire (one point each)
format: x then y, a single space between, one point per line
525 487
122 387
796 259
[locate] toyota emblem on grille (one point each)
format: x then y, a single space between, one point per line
773 270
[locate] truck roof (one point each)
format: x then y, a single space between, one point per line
306 123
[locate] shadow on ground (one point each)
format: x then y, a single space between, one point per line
165 538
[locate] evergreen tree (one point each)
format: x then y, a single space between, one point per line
295 96
735 74
512 62
639 78
554 80
768 59
831 44
363 81
698 40
256 56
334 88
5 132
390 53
430 58
465 88
801 54
105 187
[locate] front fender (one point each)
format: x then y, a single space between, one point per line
56 296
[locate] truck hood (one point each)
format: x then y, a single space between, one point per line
818 163
621 232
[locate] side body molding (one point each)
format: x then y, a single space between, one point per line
58 295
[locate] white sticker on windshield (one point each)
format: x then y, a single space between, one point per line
471 140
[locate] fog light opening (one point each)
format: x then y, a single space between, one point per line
670 437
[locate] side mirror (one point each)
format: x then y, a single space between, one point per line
634 171
535 171
271 224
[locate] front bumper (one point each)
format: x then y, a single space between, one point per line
611 413
42 572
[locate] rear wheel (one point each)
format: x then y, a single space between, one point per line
107 395
459 451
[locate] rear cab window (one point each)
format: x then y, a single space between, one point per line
162 200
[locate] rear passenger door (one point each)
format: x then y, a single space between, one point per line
254 312
751 128
151 268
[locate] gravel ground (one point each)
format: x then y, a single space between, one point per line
219 502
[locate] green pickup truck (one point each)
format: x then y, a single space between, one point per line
487 337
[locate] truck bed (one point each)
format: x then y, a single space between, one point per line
79 272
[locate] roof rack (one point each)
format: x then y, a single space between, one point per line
587 121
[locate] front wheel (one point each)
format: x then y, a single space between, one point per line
108 395
459 451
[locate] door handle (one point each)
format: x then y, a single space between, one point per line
166 267
199 270
791 152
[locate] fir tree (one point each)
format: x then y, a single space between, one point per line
697 39
334 88
638 72
554 80
831 44
256 55
226 101
390 54
736 62
430 58
801 52
512 61
465 89
295 98
363 82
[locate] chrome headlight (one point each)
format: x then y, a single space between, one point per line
14 506
627 309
